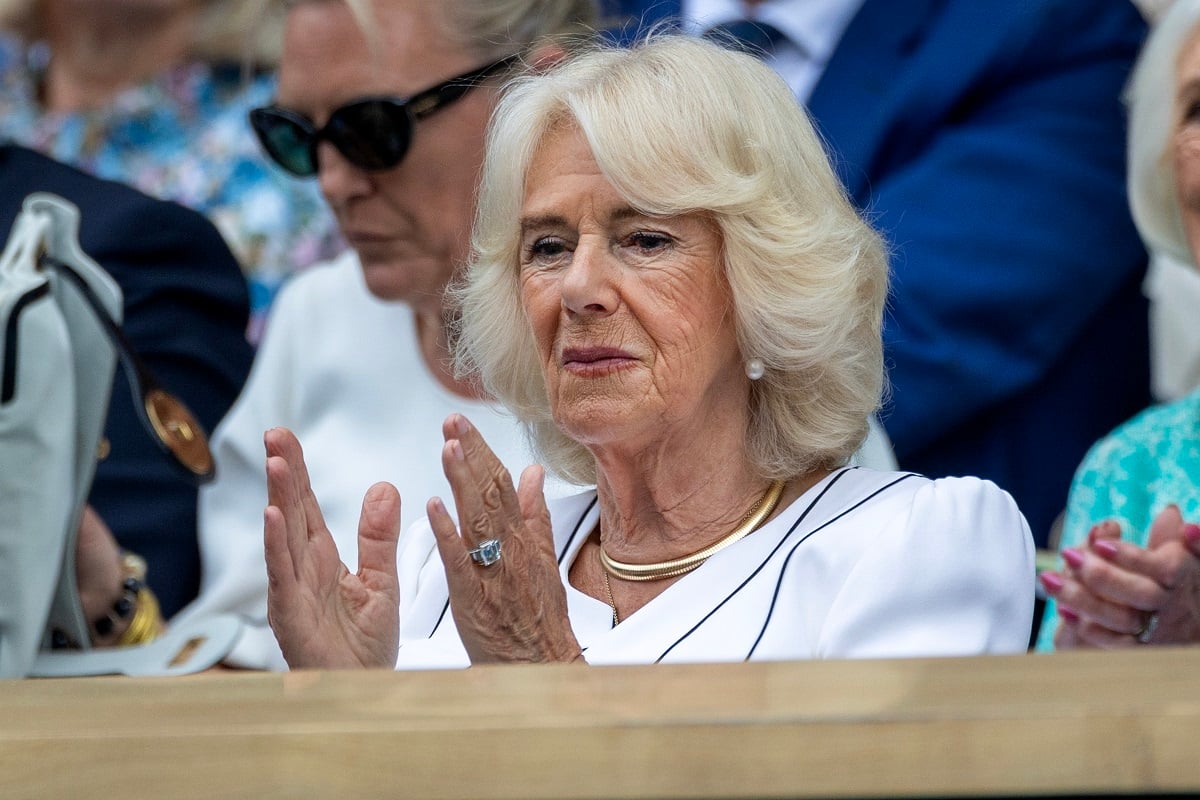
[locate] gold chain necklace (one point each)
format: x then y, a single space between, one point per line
611 603
679 566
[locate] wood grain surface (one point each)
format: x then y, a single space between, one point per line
1075 723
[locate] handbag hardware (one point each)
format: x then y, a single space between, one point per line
169 421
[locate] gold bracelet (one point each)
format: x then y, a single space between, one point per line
144 627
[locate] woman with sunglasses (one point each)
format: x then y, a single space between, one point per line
385 103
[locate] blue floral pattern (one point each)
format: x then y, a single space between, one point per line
184 137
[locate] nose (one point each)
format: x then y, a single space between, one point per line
589 282
340 180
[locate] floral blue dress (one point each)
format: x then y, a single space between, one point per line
1150 462
184 137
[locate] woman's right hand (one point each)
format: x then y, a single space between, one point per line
323 615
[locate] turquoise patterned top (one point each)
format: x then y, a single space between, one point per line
1131 475
184 137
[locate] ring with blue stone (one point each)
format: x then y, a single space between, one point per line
487 553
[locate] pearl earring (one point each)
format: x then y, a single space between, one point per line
755 368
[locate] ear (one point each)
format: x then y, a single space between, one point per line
545 56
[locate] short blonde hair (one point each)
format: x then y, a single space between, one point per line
680 125
229 30
1150 98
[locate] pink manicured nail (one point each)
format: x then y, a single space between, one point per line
1068 613
1073 557
1192 531
461 425
1051 581
1105 548
456 450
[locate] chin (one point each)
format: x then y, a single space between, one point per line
385 289
386 281
598 426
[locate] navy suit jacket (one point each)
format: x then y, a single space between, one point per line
986 140
186 307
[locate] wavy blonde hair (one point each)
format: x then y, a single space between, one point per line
679 125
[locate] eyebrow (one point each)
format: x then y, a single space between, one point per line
1188 88
540 221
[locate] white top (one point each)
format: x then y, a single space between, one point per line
811 29
865 564
342 370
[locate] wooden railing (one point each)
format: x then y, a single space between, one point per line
1065 724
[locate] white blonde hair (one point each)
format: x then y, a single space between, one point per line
679 125
1153 116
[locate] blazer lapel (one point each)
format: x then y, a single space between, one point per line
857 95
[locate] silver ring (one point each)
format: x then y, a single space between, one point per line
1148 629
487 553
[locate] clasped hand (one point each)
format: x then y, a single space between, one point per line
1113 593
324 616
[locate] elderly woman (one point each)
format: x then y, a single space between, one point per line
672 292
1132 565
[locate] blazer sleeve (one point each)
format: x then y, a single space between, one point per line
1009 223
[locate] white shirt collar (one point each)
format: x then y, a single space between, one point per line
813 26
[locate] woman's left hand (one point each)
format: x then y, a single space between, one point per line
1116 594
514 609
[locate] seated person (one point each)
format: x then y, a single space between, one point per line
186 308
357 359
681 306
356 355
1132 565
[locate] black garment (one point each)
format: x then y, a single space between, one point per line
186 308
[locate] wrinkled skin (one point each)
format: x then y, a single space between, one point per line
324 616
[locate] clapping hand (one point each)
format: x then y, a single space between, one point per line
513 608
1116 594
323 615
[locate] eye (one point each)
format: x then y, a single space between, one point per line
1191 111
545 249
648 241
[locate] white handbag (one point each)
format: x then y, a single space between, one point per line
60 341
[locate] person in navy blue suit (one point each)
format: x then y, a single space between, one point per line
985 139
186 310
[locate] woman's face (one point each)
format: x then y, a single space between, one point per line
410 224
1186 141
631 314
